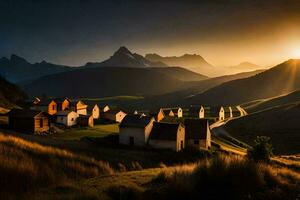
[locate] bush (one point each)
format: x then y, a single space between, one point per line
262 149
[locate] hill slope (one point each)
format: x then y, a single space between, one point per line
193 62
10 94
263 104
276 81
17 69
105 81
281 123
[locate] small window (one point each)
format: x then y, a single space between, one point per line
53 107
196 142
72 119
41 123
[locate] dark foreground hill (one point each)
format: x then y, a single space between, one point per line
280 123
10 94
108 81
283 78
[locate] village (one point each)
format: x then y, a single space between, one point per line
168 128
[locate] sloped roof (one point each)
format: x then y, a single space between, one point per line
26 113
113 112
84 116
234 109
135 121
64 113
164 131
174 110
61 99
196 128
45 102
91 107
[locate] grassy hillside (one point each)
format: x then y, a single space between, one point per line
223 177
280 123
194 88
282 79
262 104
10 94
180 73
27 166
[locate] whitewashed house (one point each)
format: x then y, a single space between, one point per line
68 117
171 112
197 133
79 107
197 112
113 115
167 136
94 111
135 130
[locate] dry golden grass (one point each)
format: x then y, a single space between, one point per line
27 166
228 177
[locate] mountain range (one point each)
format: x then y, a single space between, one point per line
192 62
17 69
125 58
281 79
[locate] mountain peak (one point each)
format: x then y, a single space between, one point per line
17 59
123 50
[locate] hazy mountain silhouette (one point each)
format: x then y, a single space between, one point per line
244 66
124 58
280 123
17 69
283 78
192 62
111 81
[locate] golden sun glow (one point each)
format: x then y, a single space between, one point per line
296 53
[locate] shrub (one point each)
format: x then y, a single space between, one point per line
262 149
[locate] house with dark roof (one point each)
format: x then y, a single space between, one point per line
28 121
62 103
235 112
197 133
197 112
167 136
67 118
113 115
135 130
94 111
46 105
85 120
79 107
171 112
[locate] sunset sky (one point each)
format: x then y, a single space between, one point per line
223 32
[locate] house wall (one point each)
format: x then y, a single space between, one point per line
120 116
109 116
95 112
82 111
106 108
65 104
221 114
180 137
201 113
86 121
180 112
137 133
52 108
160 116
37 126
171 114
163 144
68 120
